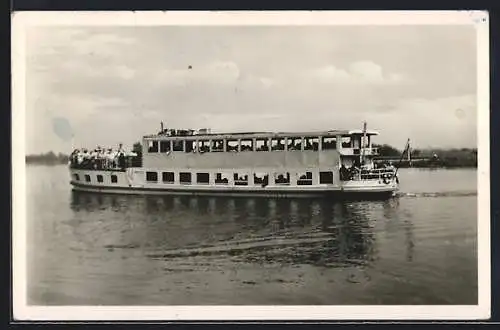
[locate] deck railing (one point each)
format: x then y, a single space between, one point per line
348 151
372 174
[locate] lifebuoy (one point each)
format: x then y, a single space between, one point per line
387 178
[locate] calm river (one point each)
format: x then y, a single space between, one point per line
89 249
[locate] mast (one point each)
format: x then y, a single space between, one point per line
409 153
363 142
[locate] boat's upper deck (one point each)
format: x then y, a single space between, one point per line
190 148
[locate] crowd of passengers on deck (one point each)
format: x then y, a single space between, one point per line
101 159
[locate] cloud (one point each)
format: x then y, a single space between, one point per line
125 80
214 73
361 72
86 70
447 121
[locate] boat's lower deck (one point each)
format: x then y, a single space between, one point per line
308 184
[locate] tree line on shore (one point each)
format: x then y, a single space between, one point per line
430 157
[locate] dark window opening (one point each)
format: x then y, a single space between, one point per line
190 146
311 143
329 143
87 177
325 177
294 143
240 179
282 178
114 179
203 146
178 145
217 145
152 176
164 146
100 178
185 177
261 179
221 179
305 179
231 145
278 144
346 142
77 177
202 178
246 145
167 177
153 146
261 145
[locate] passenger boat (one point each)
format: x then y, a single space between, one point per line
279 164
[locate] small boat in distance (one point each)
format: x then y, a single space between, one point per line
277 164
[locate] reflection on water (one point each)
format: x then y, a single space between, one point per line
302 231
85 248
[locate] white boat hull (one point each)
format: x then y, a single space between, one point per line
127 184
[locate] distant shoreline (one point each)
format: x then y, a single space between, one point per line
421 158
403 165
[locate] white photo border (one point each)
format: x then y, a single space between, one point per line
24 312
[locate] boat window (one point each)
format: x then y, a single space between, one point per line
282 178
311 143
152 176
278 144
164 146
114 179
221 178
346 142
167 177
178 145
100 178
231 145
203 146
356 142
329 143
190 146
305 179
246 145
294 143
202 178
77 177
217 145
325 177
152 146
87 177
185 177
261 179
367 142
240 179
261 145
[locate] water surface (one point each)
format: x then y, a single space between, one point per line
91 249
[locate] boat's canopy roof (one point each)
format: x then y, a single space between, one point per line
248 135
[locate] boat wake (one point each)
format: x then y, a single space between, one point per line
438 194
239 246
320 249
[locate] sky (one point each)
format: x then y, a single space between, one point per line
113 85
